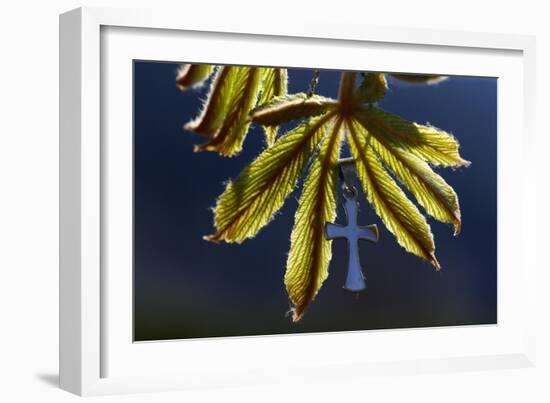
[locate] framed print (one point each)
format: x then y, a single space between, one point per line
236 198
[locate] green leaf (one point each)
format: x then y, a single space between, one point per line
310 252
291 107
426 142
243 87
190 75
390 203
419 78
373 87
430 190
275 85
215 108
249 203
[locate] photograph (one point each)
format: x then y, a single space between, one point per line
273 200
227 201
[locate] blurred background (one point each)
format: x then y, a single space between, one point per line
185 287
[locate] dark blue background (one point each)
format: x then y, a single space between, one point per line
185 287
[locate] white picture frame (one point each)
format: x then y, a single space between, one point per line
96 354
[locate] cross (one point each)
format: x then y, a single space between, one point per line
355 281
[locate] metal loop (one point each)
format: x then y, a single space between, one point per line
349 193
346 171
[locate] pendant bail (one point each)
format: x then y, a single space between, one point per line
346 172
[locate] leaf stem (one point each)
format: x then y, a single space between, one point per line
346 92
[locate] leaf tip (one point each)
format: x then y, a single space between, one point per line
194 126
199 148
192 75
190 126
458 228
457 223
223 236
215 238
297 314
376 231
434 262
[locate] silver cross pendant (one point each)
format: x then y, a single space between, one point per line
355 280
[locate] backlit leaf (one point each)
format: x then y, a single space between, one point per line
291 107
248 203
390 203
386 150
220 95
426 142
419 78
274 85
310 251
190 75
373 87
430 190
241 95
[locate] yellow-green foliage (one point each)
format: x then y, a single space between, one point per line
239 90
430 190
274 85
307 263
234 92
383 146
373 88
249 202
419 78
429 143
291 107
390 203
190 75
